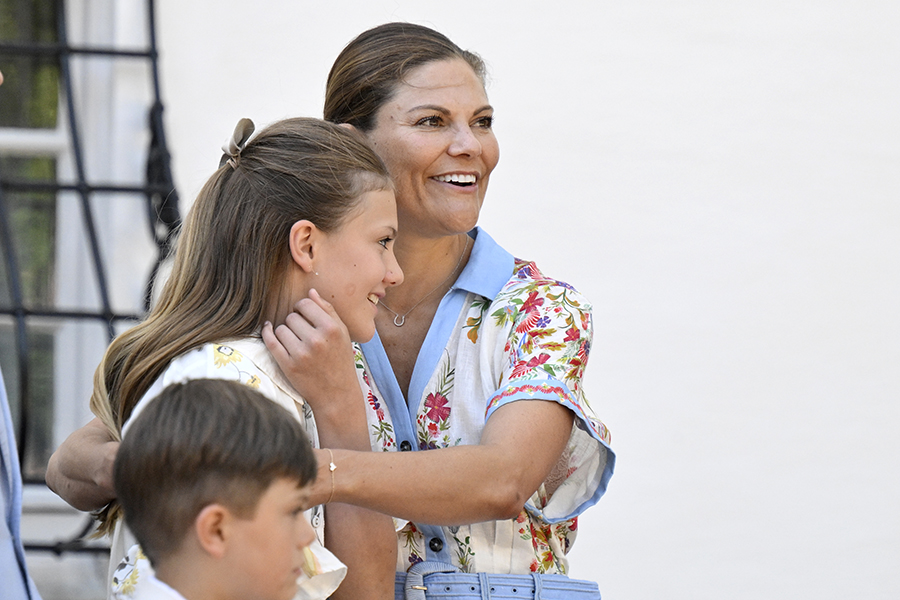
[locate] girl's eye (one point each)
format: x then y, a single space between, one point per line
432 121
384 242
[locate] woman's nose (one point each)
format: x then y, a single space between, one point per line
465 142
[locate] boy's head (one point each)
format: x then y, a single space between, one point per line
214 457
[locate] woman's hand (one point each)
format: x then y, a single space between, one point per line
313 350
81 469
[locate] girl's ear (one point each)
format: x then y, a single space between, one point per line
301 241
211 527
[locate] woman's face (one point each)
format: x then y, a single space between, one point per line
355 263
435 136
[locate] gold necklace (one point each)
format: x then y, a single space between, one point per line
399 319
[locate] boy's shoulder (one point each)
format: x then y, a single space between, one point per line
154 589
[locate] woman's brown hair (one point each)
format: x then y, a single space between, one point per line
232 254
366 73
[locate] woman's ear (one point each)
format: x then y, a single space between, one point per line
211 527
302 243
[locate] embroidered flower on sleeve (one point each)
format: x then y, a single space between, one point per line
532 302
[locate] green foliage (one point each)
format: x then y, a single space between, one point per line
33 229
29 96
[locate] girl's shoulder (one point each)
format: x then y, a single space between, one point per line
209 361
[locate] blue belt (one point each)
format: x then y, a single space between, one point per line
432 580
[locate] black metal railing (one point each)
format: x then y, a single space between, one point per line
162 217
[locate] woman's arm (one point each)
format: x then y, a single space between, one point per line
520 444
81 469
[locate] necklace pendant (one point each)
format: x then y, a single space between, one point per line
399 320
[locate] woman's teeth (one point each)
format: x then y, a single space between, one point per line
456 178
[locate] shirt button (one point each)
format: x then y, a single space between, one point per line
405 446
436 544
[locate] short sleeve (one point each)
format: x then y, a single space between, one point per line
544 355
325 574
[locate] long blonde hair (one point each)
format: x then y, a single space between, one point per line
232 254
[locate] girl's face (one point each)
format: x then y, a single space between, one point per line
435 137
356 263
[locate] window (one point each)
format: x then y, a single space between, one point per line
29 113
87 205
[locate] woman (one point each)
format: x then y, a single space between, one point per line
478 355
488 351
300 218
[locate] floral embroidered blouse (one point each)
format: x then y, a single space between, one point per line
504 333
248 361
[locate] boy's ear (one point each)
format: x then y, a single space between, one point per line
302 243
211 527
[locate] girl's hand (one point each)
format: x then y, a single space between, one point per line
314 352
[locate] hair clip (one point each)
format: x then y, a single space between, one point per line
232 148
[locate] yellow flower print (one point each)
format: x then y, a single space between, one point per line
127 586
311 566
254 382
225 355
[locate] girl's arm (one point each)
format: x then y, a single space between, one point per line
81 469
362 539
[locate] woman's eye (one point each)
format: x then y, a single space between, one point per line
432 121
485 122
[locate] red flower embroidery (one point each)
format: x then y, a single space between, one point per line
538 360
531 303
572 334
522 366
433 429
529 322
437 407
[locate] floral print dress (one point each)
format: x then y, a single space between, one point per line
504 333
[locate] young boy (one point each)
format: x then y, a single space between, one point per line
212 477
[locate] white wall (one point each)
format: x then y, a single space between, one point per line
722 180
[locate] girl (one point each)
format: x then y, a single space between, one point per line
295 224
